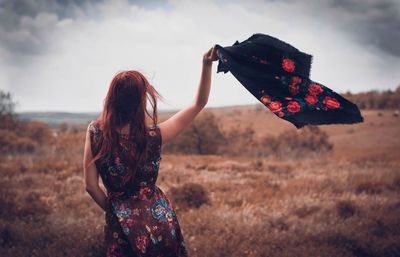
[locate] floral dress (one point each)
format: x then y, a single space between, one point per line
140 219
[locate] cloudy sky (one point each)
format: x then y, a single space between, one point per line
60 55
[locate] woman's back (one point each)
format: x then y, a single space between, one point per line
114 172
140 214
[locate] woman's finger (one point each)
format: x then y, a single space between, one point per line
214 54
209 52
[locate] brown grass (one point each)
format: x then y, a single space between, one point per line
343 203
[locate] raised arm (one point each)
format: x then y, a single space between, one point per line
180 120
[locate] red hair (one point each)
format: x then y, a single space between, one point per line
126 103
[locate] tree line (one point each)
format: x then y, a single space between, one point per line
374 99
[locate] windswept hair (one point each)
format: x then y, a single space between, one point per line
126 103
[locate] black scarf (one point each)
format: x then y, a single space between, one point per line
277 74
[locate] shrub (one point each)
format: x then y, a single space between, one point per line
203 136
25 145
7 105
345 209
290 143
18 136
10 143
374 99
308 139
239 141
36 130
63 127
369 188
6 237
306 210
190 195
353 245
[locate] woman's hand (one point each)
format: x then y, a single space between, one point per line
210 56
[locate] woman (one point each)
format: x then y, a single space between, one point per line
140 220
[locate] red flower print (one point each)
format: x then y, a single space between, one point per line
143 192
315 89
281 114
296 80
112 250
311 99
288 98
294 89
293 106
265 99
331 102
275 106
130 222
288 65
141 243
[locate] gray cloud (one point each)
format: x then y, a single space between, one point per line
26 25
370 22
376 22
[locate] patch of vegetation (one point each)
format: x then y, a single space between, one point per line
190 195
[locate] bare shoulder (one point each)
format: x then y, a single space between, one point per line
91 126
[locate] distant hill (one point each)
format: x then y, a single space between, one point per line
55 118
79 118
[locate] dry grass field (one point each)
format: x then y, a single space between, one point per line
342 203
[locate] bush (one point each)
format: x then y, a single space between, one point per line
290 143
203 136
11 143
239 142
374 99
190 195
7 105
369 188
35 130
345 209
309 139
18 136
